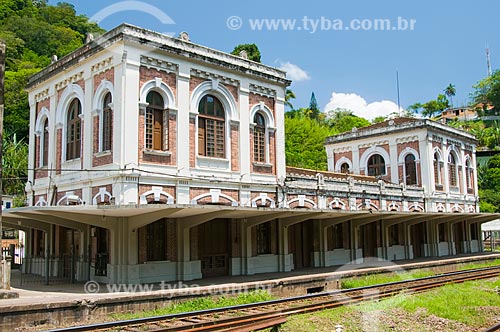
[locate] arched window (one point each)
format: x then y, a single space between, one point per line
452 170
410 170
344 168
45 144
469 174
259 138
154 122
437 169
264 238
107 123
211 128
376 165
74 131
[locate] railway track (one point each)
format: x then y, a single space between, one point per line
255 316
493 328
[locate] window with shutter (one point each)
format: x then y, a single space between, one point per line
73 133
452 170
211 128
107 126
259 138
154 125
376 165
45 148
410 170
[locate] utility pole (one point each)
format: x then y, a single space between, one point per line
488 61
2 84
397 85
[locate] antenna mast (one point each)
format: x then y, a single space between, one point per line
488 61
397 83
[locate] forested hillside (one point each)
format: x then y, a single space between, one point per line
33 31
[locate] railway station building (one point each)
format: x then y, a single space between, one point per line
156 159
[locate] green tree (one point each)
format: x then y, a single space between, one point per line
450 92
430 108
313 103
343 120
295 113
379 119
289 95
33 31
16 118
489 185
15 166
487 92
251 49
304 139
313 110
434 107
415 108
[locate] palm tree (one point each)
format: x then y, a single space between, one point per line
450 91
289 95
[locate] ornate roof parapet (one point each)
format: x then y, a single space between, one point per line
162 43
342 185
399 125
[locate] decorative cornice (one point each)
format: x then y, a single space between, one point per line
343 149
263 91
375 143
171 46
432 128
406 139
101 66
70 80
214 77
167 66
42 95
455 143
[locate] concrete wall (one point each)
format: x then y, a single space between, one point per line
337 257
396 253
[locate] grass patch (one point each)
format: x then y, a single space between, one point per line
471 266
470 306
461 303
375 279
202 303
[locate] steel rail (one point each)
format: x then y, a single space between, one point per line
493 328
253 314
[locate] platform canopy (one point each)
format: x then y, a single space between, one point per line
491 226
141 215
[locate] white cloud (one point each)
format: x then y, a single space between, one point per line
294 72
359 106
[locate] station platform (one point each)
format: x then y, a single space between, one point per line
71 302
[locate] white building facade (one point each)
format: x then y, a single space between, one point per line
415 153
155 159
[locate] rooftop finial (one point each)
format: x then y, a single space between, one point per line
184 36
89 38
243 54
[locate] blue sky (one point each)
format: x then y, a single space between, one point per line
358 68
